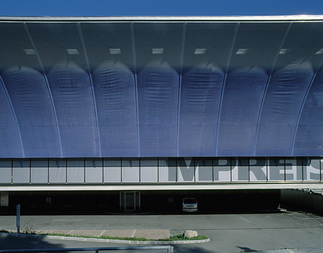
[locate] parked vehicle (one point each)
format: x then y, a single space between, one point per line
189 205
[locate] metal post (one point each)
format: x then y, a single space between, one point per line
18 218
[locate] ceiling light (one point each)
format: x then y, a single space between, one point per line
115 50
158 51
283 51
29 51
320 51
200 51
72 51
242 51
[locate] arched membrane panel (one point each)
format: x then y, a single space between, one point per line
114 87
34 110
10 137
282 105
200 96
309 138
158 110
240 109
73 99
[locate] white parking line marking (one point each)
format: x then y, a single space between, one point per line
65 220
102 233
245 219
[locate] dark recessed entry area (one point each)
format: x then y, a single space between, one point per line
154 202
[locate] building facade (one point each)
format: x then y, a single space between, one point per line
151 103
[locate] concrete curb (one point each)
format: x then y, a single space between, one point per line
84 239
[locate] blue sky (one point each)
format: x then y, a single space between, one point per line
158 7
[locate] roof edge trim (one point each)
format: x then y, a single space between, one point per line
290 18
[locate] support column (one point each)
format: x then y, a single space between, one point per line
4 198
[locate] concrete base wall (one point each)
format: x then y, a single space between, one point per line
302 200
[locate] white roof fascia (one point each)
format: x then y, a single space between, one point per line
292 18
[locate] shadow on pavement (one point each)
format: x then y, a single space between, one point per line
245 249
189 248
14 242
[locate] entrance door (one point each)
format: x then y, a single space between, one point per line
130 201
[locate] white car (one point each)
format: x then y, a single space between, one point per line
189 205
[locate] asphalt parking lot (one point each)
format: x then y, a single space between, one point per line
229 233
